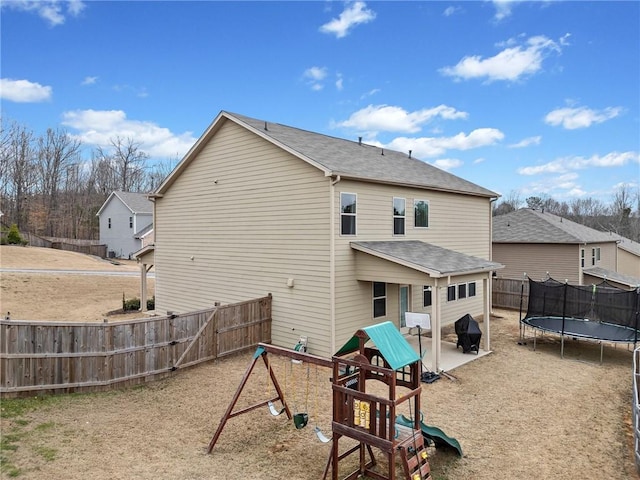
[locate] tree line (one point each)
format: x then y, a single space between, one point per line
49 188
621 216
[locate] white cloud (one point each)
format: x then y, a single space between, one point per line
370 93
353 14
447 163
451 11
396 119
339 83
53 11
503 9
511 64
526 142
426 147
569 164
315 77
581 117
565 185
89 80
24 91
98 127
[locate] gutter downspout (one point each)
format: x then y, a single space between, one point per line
332 263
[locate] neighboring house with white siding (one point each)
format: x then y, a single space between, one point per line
124 217
541 244
342 234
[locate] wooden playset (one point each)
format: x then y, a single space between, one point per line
359 414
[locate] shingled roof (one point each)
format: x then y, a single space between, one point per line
136 202
533 226
340 157
425 257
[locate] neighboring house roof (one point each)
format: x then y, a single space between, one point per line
533 226
628 245
339 157
144 251
144 231
136 202
425 257
605 274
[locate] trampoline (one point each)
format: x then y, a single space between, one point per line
601 313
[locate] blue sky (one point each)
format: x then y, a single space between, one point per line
538 98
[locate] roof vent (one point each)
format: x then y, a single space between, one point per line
382 151
409 153
359 140
265 126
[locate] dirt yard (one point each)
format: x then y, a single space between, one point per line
517 413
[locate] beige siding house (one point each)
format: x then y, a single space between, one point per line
342 234
541 245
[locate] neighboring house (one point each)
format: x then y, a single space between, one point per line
123 217
540 244
342 234
628 257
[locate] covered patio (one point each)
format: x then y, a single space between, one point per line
413 262
450 356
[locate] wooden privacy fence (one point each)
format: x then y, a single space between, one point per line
56 357
88 247
506 293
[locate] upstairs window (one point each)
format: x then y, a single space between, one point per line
426 296
421 213
399 216
472 289
462 291
130 222
595 255
379 299
582 257
109 222
348 213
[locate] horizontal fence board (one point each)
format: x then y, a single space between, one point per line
64 357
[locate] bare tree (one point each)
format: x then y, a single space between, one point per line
18 166
56 151
621 210
511 202
126 162
159 172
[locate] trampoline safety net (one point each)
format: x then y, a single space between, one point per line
597 303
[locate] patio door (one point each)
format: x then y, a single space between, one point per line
405 303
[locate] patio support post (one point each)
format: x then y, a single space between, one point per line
143 287
487 311
435 328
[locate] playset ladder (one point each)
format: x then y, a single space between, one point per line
415 460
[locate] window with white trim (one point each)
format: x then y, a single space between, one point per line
462 291
109 222
379 299
451 293
130 222
472 289
426 296
348 213
399 215
595 255
420 213
582 257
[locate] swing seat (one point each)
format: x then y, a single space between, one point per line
321 435
300 420
273 410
